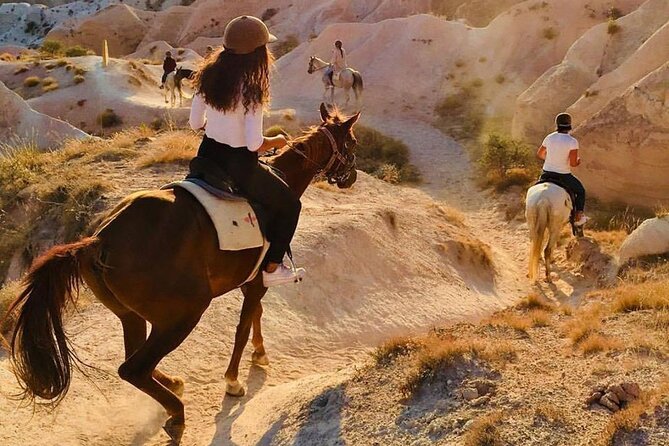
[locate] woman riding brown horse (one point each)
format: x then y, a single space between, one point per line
155 258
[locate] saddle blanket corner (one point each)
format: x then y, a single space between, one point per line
235 221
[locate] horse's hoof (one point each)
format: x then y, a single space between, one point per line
234 388
177 386
259 359
175 429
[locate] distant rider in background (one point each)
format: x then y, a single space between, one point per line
169 65
337 61
560 153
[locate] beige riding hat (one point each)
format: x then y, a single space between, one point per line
246 33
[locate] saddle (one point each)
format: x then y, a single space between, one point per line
546 177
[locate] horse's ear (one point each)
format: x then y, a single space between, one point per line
325 114
350 122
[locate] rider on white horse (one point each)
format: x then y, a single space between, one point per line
560 153
169 65
337 61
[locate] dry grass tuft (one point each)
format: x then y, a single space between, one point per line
535 302
540 318
519 323
645 296
597 343
394 347
177 147
484 431
583 324
31 81
551 414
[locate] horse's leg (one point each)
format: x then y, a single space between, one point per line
259 356
167 88
253 292
348 94
139 369
548 251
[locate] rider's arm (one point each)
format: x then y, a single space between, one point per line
197 119
255 141
574 160
541 153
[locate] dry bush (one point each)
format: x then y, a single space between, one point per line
616 216
7 57
394 347
451 215
535 302
584 324
540 318
596 343
78 79
437 355
80 71
519 323
613 27
645 296
21 69
484 431
549 33
551 414
44 192
31 81
109 118
177 147
500 78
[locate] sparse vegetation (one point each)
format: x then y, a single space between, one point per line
285 45
500 78
613 27
31 81
376 150
507 162
20 70
177 147
484 431
6 57
109 118
275 130
51 48
460 114
393 348
549 33
77 79
77 51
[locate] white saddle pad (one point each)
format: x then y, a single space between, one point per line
235 221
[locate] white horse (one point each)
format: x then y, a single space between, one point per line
347 79
173 85
547 209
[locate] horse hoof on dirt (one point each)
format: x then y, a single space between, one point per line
175 429
234 388
259 359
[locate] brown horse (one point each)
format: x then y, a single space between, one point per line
155 258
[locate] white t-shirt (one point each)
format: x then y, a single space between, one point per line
234 128
558 146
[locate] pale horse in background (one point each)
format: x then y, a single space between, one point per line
348 79
173 85
547 209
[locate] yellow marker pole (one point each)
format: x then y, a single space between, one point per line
105 53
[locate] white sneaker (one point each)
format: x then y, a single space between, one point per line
581 221
283 275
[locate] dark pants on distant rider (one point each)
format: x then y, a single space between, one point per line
164 78
570 181
261 186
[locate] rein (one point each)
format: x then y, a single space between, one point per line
347 163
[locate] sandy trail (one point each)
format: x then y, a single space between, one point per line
314 335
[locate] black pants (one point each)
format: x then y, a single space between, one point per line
573 183
261 186
164 78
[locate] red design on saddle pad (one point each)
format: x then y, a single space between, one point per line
250 219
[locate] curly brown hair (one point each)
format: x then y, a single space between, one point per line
225 78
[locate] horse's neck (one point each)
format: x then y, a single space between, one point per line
321 63
296 169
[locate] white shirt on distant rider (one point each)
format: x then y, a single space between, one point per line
558 145
234 128
338 60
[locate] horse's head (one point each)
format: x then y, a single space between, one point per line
312 60
340 158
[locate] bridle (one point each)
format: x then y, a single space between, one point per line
312 69
340 165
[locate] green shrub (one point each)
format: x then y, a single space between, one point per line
31 81
461 114
76 51
51 48
109 118
501 154
384 157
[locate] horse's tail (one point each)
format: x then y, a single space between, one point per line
538 219
357 83
39 347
